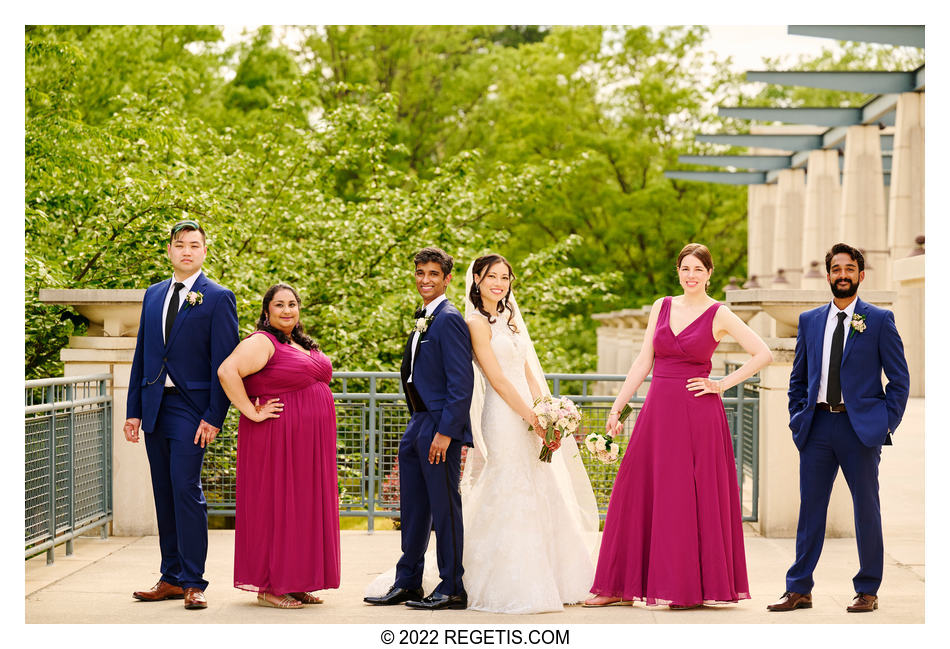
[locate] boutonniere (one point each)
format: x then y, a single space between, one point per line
194 298
857 324
422 324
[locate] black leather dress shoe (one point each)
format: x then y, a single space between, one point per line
395 595
437 601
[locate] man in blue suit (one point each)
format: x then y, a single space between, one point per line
437 378
188 326
841 415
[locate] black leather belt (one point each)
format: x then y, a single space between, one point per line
828 408
418 405
170 390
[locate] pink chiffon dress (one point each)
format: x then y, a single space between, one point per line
673 533
287 525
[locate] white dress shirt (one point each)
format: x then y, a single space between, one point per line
830 325
430 307
188 283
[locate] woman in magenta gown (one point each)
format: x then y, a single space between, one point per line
287 527
673 533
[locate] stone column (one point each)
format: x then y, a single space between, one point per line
761 236
605 351
790 213
909 316
822 209
906 213
610 346
620 345
108 346
863 210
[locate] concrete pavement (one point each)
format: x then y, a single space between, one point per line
95 584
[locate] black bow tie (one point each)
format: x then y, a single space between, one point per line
420 313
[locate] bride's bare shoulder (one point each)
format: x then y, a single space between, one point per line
477 323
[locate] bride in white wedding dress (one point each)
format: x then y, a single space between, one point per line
530 527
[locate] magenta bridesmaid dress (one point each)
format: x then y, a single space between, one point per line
673 533
287 526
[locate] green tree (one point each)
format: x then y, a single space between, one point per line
602 111
326 201
613 108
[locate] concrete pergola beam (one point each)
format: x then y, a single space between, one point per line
719 177
765 162
813 116
736 177
871 82
880 110
751 162
834 139
908 35
765 141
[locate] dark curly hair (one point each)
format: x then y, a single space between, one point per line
439 256
297 333
851 251
482 264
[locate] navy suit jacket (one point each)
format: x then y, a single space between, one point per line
202 336
443 374
873 409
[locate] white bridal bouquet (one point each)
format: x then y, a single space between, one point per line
602 445
559 417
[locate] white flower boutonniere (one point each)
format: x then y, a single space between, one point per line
194 298
422 324
858 324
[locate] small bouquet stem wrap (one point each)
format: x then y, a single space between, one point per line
559 417
602 445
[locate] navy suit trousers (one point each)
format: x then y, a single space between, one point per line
831 443
175 464
429 499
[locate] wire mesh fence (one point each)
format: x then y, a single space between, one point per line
68 460
371 416
68 449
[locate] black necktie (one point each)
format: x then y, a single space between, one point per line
420 313
834 362
172 310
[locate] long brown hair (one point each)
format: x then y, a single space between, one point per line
481 265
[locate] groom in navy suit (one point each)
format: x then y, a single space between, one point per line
188 326
437 377
841 415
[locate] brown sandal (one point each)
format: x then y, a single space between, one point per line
306 598
282 602
606 601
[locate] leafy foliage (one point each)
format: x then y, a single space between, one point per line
327 159
327 204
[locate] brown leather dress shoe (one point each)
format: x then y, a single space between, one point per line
195 598
790 601
158 592
863 603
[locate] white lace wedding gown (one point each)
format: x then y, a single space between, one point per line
524 549
527 540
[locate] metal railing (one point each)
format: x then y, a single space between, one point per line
68 452
371 416
744 425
